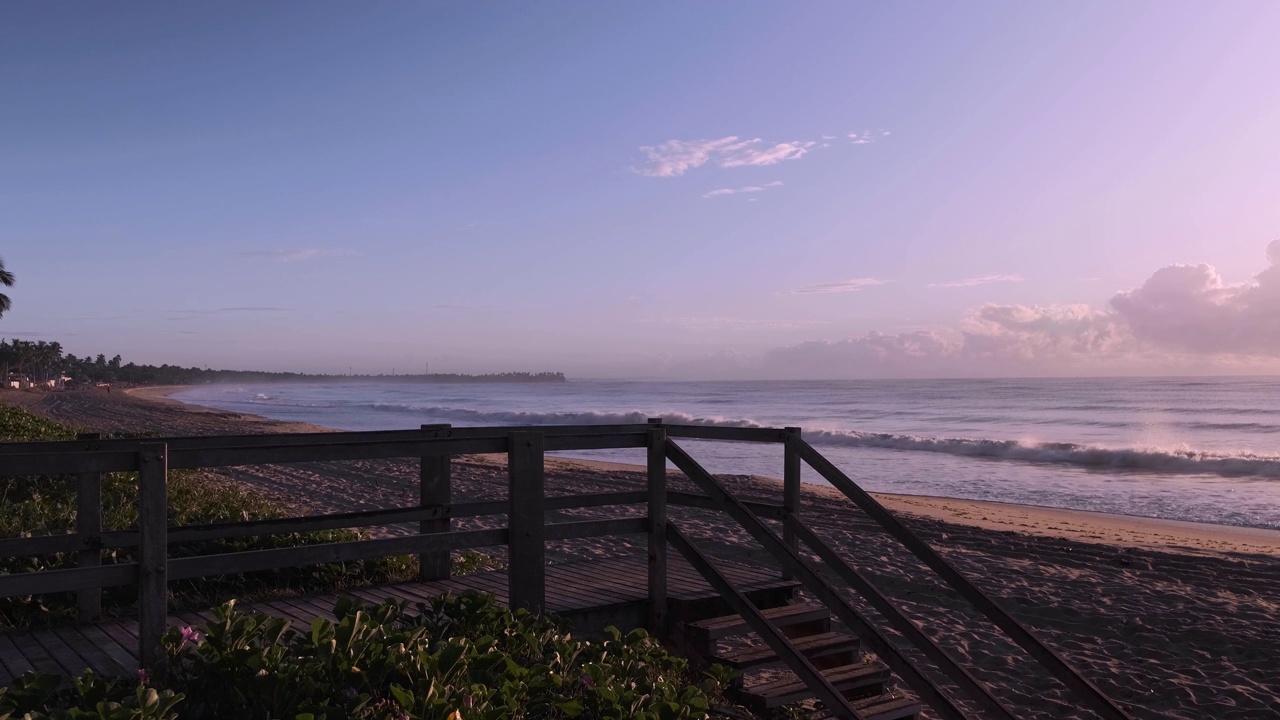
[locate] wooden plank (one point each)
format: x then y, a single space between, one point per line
281 454
317 608
122 659
526 518
434 481
40 545
594 442
301 556
847 678
89 528
15 663
36 654
767 511
192 442
153 579
656 566
310 523
44 463
564 502
73 457
68 659
586 585
52 581
286 610
93 656
718 628
711 432
595 528
790 488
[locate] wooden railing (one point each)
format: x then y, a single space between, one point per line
525 535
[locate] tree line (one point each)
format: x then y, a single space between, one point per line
40 361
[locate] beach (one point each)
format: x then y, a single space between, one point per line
1172 619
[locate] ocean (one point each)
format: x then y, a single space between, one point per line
1203 449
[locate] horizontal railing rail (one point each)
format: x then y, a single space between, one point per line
121 455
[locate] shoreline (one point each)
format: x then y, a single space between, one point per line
1130 531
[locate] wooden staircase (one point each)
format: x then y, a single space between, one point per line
765 684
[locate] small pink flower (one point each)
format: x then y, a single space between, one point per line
190 634
144 677
586 680
467 702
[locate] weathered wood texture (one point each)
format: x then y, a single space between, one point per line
526 520
790 486
435 490
89 530
78 456
657 540
153 551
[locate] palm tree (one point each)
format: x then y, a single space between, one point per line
6 279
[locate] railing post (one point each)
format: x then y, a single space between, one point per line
89 528
435 489
657 528
526 523
153 552
790 490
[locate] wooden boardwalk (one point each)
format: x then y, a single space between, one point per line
590 595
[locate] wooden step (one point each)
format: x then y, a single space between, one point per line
860 680
812 646
881 707
729 625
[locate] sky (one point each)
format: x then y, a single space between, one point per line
684 190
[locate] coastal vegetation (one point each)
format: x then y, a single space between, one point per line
455 658
41 360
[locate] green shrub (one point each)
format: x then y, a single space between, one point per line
456 658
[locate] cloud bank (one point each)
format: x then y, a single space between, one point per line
1183 318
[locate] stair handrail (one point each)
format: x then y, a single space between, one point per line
742 605
941 657
1019 633
802 570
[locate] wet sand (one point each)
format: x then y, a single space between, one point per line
1171 619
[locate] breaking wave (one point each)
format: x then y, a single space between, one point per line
1180 461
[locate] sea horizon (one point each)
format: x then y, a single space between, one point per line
1198 449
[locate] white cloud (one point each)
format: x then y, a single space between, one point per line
721 192
676 157
755 156
1189 308
298 254
973 282
864 138
845 286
